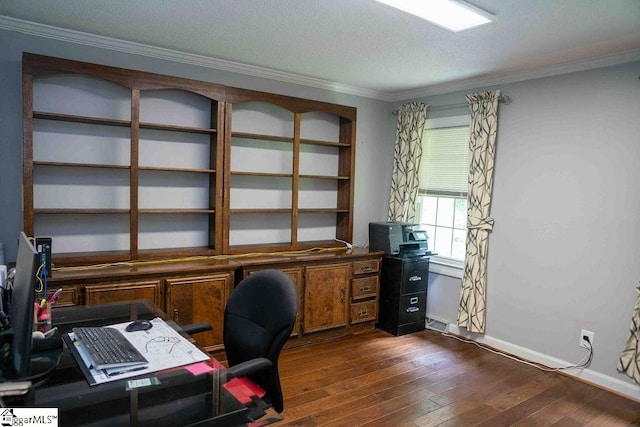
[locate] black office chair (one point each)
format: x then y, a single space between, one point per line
258 320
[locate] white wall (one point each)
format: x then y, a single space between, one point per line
565 247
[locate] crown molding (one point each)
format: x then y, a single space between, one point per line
519 76
88 39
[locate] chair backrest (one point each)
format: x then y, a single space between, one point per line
258 320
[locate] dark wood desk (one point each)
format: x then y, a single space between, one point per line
180 398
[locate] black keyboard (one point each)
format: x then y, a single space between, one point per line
108 348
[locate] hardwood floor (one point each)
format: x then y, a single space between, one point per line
426 379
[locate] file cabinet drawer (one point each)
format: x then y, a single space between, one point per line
414 277
412 308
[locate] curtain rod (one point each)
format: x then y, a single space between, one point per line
503 99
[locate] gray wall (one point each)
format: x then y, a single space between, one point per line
374 132
564 250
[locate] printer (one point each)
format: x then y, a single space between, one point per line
398 238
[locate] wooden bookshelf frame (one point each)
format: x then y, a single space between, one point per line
219 211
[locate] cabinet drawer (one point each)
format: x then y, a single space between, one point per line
68 297
116 292
364 287
363 311
364 267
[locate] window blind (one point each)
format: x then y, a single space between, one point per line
444 167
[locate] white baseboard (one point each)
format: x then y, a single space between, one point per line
613 384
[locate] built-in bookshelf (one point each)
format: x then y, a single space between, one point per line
122 164
289 164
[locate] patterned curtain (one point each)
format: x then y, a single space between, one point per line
484 125
629 362
406 161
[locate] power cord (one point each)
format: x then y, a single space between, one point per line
583 363
200 258
347 244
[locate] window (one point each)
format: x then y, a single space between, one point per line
442 197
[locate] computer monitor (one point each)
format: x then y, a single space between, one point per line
21 310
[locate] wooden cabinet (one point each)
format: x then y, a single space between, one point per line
161 168
338 291
123 291
187 291
200 299
326 293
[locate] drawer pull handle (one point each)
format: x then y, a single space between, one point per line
366 268
415 278
364 313
365 289
176 315
413 300
412 309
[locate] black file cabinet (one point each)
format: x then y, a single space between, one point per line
403 294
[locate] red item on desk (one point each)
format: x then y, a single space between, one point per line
215 364
243 388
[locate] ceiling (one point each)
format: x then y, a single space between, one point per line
358 46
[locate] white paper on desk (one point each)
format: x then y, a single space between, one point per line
162 346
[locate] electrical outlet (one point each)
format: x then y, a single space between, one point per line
583 342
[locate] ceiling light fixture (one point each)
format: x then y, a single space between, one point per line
454 15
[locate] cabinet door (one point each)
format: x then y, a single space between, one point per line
127 291
296 275
200 299
325 297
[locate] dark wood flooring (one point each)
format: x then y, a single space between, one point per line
426 379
